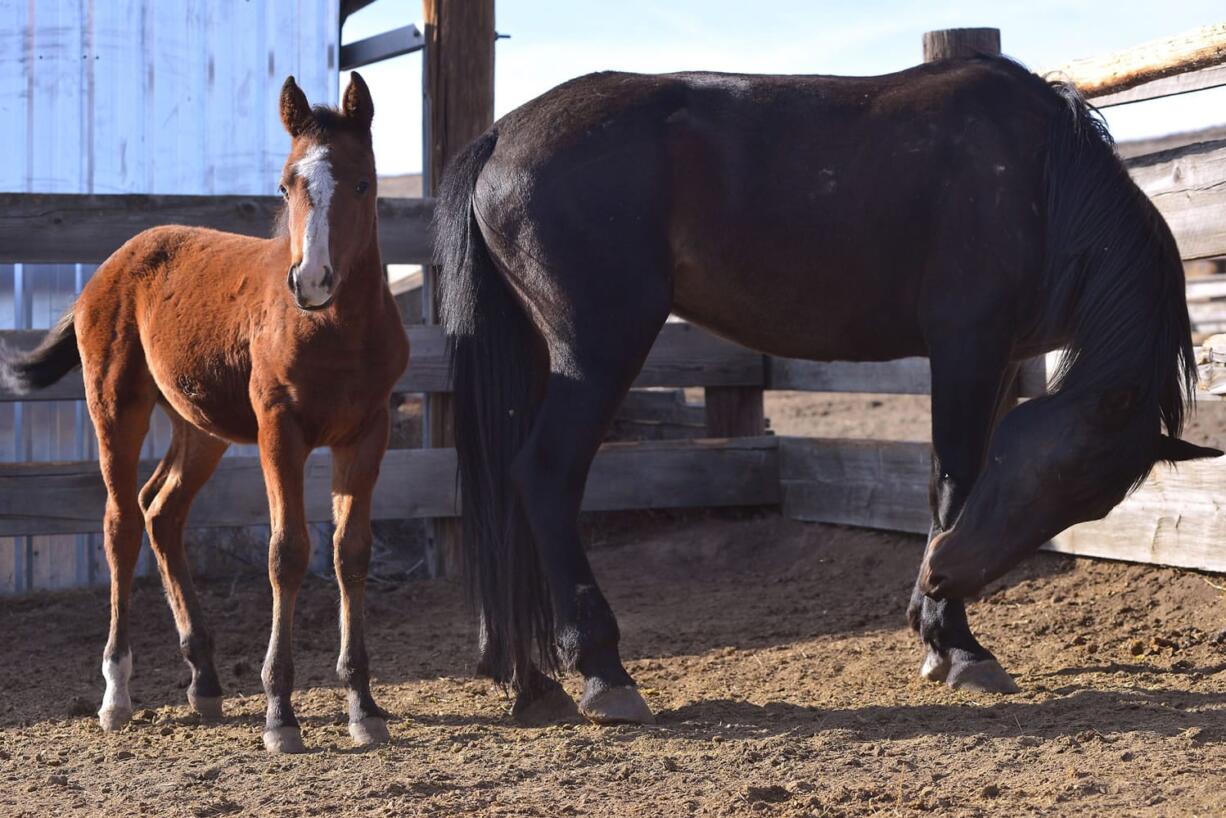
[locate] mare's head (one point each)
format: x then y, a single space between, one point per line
329 189
1053 462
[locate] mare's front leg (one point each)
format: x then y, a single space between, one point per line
283 453
354 472
971 390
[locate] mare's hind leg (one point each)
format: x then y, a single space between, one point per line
539 700
970 392
189 462
120 395
590 376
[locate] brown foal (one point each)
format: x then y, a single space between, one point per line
204 324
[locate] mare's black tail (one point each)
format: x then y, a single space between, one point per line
498 368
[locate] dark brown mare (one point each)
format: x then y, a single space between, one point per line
966 210
204 324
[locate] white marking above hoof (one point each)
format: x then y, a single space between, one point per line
935 667
284 740
116 707
209 707
369 732
982 676
617 705
112 719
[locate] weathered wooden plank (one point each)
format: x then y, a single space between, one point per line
683 355
52 228
68 498
1188 186
1120 70
1201 80
905 376
872 483
950 43
1177 517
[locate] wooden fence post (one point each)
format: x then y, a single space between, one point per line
458 105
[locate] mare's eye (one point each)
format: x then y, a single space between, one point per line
362 186
284 193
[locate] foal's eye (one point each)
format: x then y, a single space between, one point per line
362 186
281 189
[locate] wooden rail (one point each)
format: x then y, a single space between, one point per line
53 228
1118 71
1177 517
68 498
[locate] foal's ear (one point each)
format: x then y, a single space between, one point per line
357 105
1174 450
295 110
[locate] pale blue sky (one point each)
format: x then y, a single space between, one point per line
554 40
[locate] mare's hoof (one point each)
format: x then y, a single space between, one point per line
369 732
546 703
284 740
935 667
981 676
113 719
615 705
208 707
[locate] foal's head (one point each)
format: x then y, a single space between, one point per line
329 188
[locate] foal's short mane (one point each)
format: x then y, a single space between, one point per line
1113 273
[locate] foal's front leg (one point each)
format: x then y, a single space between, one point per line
354 472
283 453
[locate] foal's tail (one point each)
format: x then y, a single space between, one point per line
498 367
51 360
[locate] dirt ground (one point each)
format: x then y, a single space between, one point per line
774 653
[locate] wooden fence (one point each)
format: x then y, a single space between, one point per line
1173 519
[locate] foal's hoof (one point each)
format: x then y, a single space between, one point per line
981 676
546 703
284 740
208 707
369 732
113 719
935 667
615 705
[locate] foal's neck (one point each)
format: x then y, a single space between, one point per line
362 290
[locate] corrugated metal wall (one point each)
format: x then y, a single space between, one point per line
133 96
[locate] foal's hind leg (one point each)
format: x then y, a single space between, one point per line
120 395
190 461
970 392
354 472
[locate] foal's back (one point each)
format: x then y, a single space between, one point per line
176 310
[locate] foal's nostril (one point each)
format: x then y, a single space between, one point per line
327 281
291 280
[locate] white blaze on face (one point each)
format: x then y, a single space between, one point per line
316 266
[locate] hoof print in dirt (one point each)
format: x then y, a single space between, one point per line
548 704
983 676
616 705
369 732
284 740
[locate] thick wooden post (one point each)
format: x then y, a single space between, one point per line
960 42
458 103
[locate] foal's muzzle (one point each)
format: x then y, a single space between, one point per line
311 292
